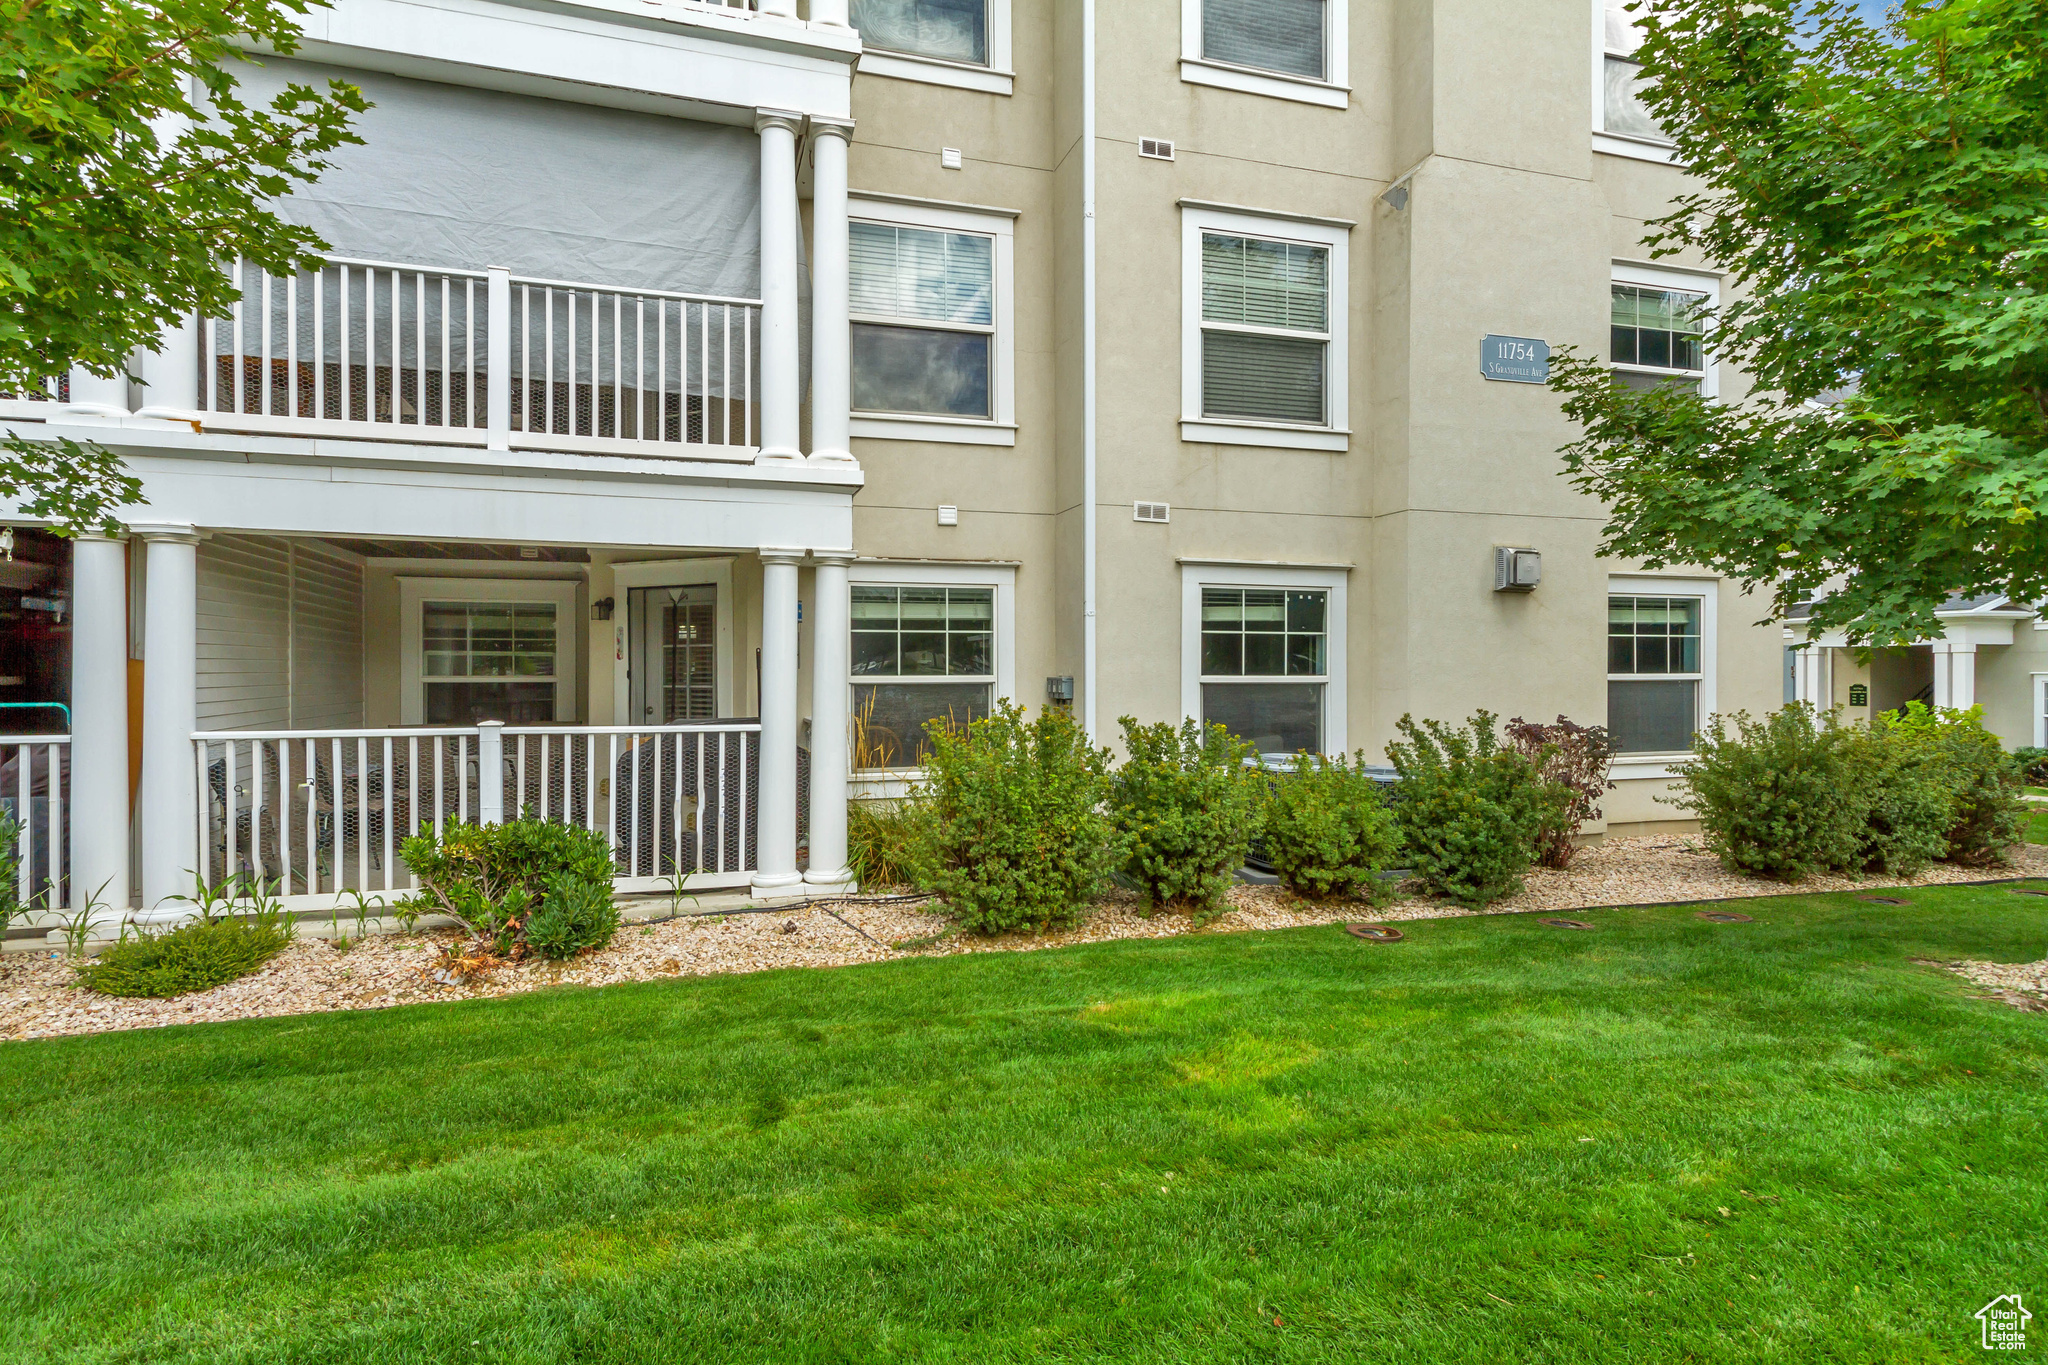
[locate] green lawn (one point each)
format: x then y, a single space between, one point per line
1662 1140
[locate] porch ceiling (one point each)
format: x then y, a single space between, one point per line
429 549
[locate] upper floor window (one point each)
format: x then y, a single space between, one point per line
1286 36
947 30
924 320
1266 327
1289 49
1656 328
1621 104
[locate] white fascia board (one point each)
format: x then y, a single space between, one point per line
594 55
432 505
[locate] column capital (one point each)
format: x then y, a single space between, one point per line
782 554
165 530
787 119
827 125
839 557
88 537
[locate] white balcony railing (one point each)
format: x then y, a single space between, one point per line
35 786
319 816
402 352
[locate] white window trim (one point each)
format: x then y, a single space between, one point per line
670 573
2040 710
1331 92
1619 144
1336 697
1692 282
1000 429
1001 577
996 78
413 593
1336 434
1655 585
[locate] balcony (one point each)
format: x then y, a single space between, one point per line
386 351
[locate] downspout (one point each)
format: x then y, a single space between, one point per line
1088 367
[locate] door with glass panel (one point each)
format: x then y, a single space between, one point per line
674 669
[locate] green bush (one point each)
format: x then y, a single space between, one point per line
1777 797
1015 835
1985 782
1471 811
2033 765
498 880
1187 806
1905 802
195 956
1327 833
10 871
879 838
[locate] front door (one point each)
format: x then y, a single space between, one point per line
674 668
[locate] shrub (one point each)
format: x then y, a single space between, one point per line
1015 835
1327 832
498 880
879 836
1904 799
2033 765
1774 799
1990 810
196 956
1576 759
1470 811
10 871
1186 806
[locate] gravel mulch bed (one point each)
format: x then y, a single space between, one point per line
2023 985
38 999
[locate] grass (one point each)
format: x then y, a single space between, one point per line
2037 827
1664 1140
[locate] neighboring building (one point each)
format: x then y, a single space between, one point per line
833 421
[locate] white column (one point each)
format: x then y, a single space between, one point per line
1944 693
98 818
95 396
830 662
776 872
829 14
170 713
779 388
831 284
170 375
1955 674
1804 686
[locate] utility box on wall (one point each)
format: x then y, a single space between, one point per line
1516 570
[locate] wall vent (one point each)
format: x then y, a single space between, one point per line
1151 511
1158 148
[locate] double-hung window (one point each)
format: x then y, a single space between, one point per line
1622 111
1264 654
921 652
1655 667
1266 329
1657 321
932 349
1290 49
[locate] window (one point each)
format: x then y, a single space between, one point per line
1657 319
1289 49
921 652
1654 670
1621 104
1264 654
487 649
961 43
930 320
950 30
1266 304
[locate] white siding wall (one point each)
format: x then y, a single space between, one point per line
280 634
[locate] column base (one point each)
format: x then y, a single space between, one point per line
776 884
173 416
167 916
779 455
841 457
837 883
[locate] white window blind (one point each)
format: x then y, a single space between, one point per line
951 30
1265 329
1268 35
1621 103
942 284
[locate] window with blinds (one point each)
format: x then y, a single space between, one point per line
1287 36
1265 329
950 30
1621 98
923 320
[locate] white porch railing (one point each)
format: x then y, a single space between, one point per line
35 785
392 351
320 816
